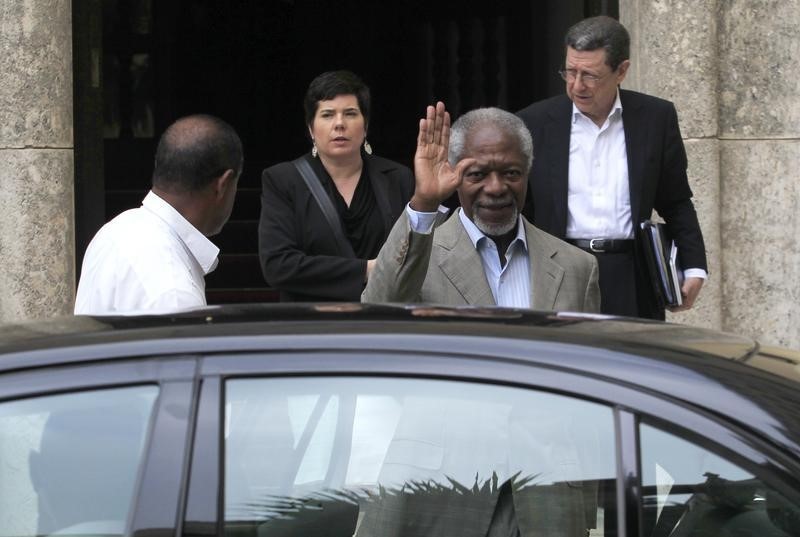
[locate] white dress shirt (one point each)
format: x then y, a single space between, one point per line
510 284
599 203
145 260
599 199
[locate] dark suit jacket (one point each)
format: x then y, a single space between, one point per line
298 251
656 171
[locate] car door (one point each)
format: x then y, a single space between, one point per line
690 487
351 441
96 448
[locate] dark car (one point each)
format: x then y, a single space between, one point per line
343 420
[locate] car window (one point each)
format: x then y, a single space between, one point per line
391 456
68 463
690 491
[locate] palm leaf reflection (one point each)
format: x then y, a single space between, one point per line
426 504
326 512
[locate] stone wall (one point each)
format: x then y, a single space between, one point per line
36 159
673 56
760 134
730 66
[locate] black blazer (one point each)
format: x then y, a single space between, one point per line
656 173
298 252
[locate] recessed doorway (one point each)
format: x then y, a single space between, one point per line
141 64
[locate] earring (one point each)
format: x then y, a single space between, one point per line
367 147
314 149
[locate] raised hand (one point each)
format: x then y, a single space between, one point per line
436 180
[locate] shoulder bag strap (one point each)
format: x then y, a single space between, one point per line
324 202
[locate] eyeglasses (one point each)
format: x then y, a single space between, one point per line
570 75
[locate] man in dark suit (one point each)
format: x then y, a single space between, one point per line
605 158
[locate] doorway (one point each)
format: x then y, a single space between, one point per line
141 64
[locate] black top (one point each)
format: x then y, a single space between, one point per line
298 251
362 222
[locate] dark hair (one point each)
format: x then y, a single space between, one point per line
195 150
601 32
332 83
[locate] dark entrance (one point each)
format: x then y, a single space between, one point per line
140 64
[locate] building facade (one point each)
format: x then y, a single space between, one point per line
727 64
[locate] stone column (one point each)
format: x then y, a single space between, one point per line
36 159
760 159
730 68
674 56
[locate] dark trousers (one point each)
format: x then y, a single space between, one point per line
617 284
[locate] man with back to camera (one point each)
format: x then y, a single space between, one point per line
605 158
154 259
486 254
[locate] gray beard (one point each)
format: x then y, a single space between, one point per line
496 230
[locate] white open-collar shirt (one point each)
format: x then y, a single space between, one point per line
145 260
599 203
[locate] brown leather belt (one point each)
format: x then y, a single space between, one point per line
603 246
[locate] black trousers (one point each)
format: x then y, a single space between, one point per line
618 284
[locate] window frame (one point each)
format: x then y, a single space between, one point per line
772 466
159 490
629 403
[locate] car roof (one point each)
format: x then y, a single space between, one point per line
692 365
210 329
643 336
638 336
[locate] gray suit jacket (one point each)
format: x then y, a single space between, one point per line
483 447
444 268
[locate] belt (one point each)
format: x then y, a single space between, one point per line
600 246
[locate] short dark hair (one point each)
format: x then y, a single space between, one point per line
194 151
332 83
601 32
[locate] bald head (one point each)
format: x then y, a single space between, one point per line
193 152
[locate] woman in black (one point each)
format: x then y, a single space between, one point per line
301 254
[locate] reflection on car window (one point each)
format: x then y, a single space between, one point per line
380 456
68 463
689 491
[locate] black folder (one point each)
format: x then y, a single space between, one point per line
661 255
